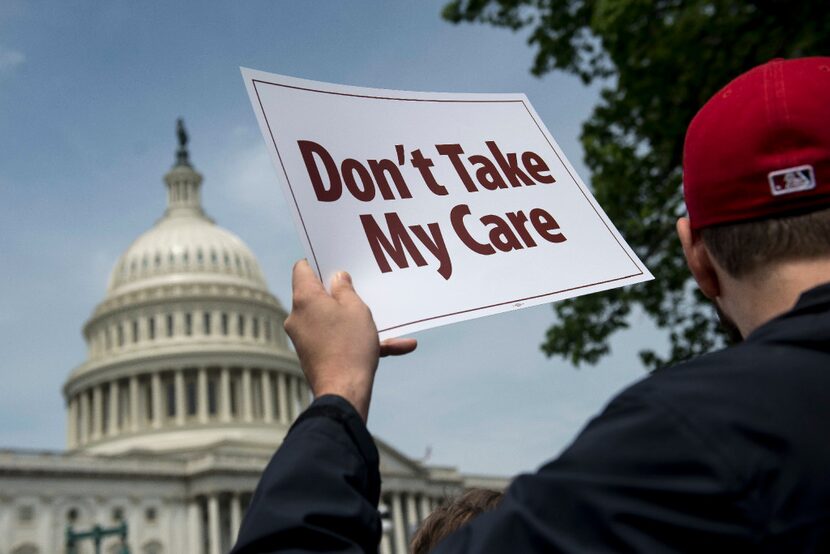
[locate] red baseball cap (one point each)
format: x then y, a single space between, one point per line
761 146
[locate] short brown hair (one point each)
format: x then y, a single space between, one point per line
741 248
451 515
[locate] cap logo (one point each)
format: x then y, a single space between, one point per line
792 179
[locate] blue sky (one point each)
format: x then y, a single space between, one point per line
89 94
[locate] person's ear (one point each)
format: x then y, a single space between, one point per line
698 260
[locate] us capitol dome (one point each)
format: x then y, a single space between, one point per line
187 348
188 387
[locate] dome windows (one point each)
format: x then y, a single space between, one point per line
170 397
178 324
188 324
188 246
256 395
212 404
26 514
190 392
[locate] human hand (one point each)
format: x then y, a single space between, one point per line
336 338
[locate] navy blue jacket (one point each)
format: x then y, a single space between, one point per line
729 452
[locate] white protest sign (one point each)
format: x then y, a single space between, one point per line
443 207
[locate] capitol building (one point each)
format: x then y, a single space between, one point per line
188 387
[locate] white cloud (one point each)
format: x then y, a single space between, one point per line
10 59
247 181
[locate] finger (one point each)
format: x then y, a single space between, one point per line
397 347
304 281
341 286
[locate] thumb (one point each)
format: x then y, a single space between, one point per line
341 285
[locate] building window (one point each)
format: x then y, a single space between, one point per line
169 325
255 328
200 257
211 399
171 399
135 330
186 257
117 514
26 513
206 322
72 515
149 408
158 259
213 259
224 324
123 405
267 329
107 339
188 324
150 515
120 334
234 390
256 396
275 407
151 327
192 403
241 325
105 409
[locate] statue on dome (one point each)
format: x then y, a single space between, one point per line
181 153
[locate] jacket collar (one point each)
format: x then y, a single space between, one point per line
816 299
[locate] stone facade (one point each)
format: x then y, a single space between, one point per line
188 387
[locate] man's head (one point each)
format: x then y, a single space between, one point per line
756 179
451 515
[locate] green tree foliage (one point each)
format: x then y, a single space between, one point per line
658 62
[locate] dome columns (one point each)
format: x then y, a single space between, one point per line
187 397
205 516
